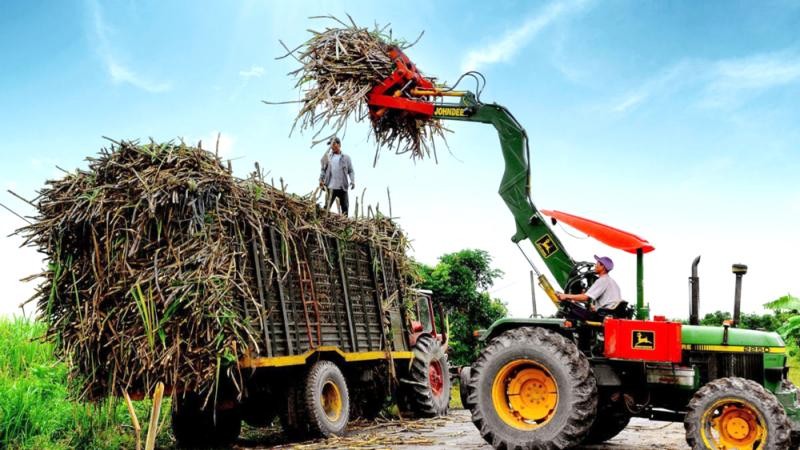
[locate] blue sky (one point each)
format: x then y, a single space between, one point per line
674 120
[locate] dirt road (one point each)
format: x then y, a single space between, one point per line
456 432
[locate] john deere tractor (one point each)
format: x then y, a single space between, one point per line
555 383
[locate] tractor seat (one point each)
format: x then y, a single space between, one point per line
620 310
577 311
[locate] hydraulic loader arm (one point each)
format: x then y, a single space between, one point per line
515 184
406 91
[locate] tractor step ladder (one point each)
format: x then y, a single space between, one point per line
309 299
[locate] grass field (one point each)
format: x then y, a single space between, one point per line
35 410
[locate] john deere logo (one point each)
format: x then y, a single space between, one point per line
643 340
546 246
449 111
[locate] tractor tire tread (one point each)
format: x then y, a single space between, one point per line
779 429
318 423
581 411
418 396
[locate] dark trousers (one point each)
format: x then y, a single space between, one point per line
341 194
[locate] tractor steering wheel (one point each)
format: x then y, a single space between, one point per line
580 278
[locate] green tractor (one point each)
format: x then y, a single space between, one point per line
560 382
555 383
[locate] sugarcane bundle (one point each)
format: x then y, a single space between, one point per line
148 273
339 66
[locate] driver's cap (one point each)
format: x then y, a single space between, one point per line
605 261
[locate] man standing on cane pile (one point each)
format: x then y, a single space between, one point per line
337 172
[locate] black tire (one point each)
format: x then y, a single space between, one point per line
612 418
463 386
567 423
292 415
370 404
717 396
426 390
196 427
258 411
320 406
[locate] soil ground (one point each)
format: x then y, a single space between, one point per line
454 432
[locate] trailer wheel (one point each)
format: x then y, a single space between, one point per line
531 388
327 400
736 413
427 389
258 410
196 427
611 419
463 386
320 405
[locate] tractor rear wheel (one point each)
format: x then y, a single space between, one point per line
426 390
736 413
195 426
320 405
531 388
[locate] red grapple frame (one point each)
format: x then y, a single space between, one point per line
389 94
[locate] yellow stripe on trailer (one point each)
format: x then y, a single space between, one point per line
297 360
734 348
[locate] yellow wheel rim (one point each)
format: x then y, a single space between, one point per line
331 401
733 424
525 394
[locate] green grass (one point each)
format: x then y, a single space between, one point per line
36 411
794 371
455 396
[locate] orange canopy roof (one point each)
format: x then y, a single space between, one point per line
611 236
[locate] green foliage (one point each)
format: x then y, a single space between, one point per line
765 322
459 282
786 310
35 409
784 304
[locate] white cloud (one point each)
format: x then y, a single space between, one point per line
119 72
518 38
734 79
253 72
216 141
664 82
720 83
17 263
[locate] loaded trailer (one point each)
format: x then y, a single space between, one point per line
340 334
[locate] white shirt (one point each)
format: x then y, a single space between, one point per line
338 180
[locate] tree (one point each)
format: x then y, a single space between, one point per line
786 312
766 322
459 282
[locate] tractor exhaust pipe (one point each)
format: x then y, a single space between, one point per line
739 270
694 285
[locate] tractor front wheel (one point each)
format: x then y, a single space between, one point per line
531 388
426 390
736 413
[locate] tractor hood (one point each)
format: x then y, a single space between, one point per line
701 335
